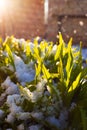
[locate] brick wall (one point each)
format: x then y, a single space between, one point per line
70 18
23 19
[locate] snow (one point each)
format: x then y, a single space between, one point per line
9 129
10 87
11 99
23 115
15 109
61 122
63 119
37 115
20 127
23 72
32 96
36 94
34 127
54 49
12 102
10 118
1 113
73 106
84 53
53 122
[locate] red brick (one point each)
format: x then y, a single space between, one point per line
23 18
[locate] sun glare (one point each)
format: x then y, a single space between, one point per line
3 5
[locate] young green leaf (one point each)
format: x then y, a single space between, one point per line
10 56
28 51
69 63
46 73
75 83
59 52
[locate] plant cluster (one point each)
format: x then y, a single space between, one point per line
42 85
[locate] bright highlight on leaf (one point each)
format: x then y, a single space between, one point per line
75 83
10 56
59 52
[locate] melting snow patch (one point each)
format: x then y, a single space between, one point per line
10 87
23 72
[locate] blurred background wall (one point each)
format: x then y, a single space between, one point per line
22 18
70 18
28 19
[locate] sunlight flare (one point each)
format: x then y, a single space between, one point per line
3 5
